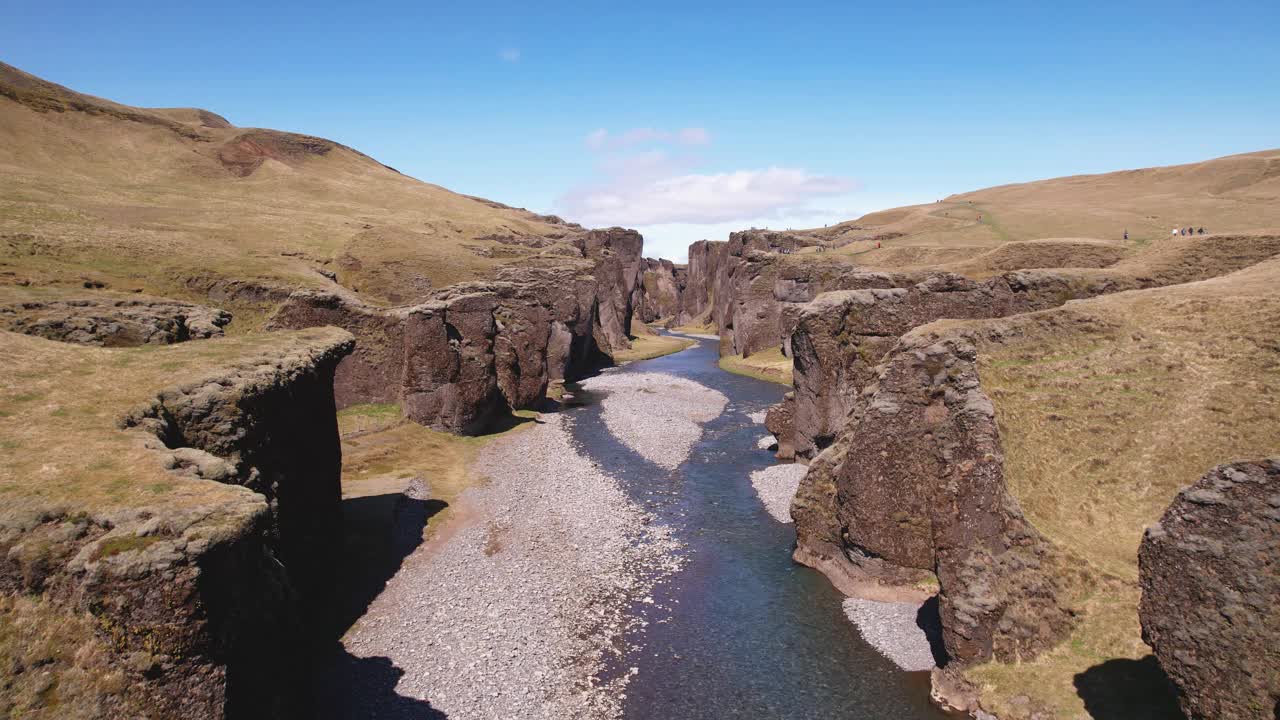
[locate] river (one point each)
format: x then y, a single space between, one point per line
748 632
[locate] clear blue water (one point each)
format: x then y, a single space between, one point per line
750 634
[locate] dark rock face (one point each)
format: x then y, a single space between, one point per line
841 336
744 306
697 298
198 611
915 485
115 322
372 373
615 254
780 422
1210 574
479 348
663 284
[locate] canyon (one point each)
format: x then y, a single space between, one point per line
240 440
927 403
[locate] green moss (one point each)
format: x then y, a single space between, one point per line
122 544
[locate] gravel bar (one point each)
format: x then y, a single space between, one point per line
891 629
659 416
776 485
518 611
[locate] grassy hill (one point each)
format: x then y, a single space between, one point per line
1107 408
1232 194
178 201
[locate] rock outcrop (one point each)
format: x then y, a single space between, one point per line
663 282
744 306
841 336
702 283
914 487
1210 573
479 348
370 374
120 321
191 596
780 421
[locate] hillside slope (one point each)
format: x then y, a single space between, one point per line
1230 194
179 202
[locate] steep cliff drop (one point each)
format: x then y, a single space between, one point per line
167 549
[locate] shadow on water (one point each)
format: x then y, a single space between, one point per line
1123 689
745 632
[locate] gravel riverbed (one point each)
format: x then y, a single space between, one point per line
776 485
894 631
657 415
519 610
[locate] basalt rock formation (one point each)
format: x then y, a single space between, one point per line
192 598
119 321
914 487
1210 572
478 348
663 283
780 422
841 335
702 283
744 307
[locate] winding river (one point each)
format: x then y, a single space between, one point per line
741 631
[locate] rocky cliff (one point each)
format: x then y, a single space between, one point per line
478 348
173 570
844 330
1210 573
664 282
914 489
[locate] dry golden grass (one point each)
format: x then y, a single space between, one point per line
139 199
60 407
1107 408
768 365
382 452
1238 193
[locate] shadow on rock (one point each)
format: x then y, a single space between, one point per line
929 619
355 687
1123 689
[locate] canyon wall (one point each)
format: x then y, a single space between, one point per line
664 282
913 488
196 601
479 348
1209 589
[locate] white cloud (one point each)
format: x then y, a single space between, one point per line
650 189
511 54
601 139
596 139
693 136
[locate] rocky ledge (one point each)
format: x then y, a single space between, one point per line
1210 583
114 321
164 561
477 349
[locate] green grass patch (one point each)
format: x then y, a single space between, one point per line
123 544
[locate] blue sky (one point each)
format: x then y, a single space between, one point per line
688 120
